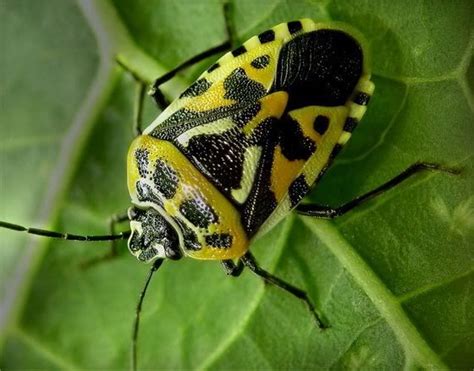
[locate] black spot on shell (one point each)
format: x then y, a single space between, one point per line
219 240
335 151
189 237
239 51
141 156
146 193
294 144
267 36
260 62
243 117
198 212
350 124
362 99
219 156
297 190
239 87
319 68
321 124
213 67
294 26
165 179
261 201
197 88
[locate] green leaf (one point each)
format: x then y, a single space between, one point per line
394 278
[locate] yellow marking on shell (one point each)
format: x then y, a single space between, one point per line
272 105
252 43
308 25
214 127
226 58
191 185
281 32
228 64
262 75
366 86
251 161
211 99
313 166
214 96
305 116
345 136
284 172
332 136
355 110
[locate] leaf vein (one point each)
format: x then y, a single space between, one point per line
382 298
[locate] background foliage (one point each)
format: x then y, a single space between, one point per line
394 278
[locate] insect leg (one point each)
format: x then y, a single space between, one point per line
232 269
327 212
155 91
63 236
136 322
113 252
249 261
113 221
139 97
229 24
138 108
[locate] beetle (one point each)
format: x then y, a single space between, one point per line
241 147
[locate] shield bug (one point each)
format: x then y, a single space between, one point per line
240 148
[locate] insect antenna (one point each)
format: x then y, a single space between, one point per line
64 236
136 323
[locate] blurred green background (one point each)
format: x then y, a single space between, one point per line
394 278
